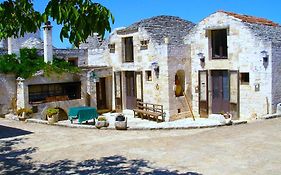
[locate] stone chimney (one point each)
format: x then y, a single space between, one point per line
13 46
48 47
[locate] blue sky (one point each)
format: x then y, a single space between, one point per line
127 12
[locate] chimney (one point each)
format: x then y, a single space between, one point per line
13 46
48 47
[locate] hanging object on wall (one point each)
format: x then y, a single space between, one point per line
155 67
94 77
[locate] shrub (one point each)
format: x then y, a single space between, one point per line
27 111
102 118
52 111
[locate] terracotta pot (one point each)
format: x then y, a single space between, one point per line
53 119
100 124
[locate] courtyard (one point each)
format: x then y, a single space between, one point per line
254 148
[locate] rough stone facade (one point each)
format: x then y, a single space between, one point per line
23 94
165 47
7 92
244 55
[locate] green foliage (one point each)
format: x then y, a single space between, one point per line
27 111
79 18
18 17
52 111
102 118
28 63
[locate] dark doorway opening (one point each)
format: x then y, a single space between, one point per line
220 91
101 94
219 44
131 98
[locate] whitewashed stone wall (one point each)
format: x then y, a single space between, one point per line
276 75
7 92
178 60
244 54
22 90
155 91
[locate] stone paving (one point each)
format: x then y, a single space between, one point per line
30 148
143 124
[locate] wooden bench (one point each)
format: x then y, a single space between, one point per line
149 110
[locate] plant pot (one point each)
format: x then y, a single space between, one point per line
100 124
120 122
53 119
121 125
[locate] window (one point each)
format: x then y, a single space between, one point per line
245 78
111 48
219 44
148 75
54 92
128 49
73 61
179 83
144 44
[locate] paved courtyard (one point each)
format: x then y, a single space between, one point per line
254 148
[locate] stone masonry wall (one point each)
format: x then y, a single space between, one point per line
276 73
22 90
178 60
244 54
7 92
155 91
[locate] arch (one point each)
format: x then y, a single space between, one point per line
179 83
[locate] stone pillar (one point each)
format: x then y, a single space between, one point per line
21 100
48 47
91 89
12 46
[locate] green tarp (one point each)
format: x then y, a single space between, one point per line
83 113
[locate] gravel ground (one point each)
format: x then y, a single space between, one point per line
254 148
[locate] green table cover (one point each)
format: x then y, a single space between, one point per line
83 113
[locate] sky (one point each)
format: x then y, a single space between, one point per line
127 12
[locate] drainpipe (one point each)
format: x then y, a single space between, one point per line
48 47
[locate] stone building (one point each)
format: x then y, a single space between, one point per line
40 92
235 65
147 58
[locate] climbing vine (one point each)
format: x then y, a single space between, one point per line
29 62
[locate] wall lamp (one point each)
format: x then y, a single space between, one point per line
155 67
201 57
265 58
94 77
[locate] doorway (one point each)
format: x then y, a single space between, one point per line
101 94
220 91
131 98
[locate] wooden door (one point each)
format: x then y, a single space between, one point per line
220 92
118 91
203 94
234 94
139 86
130 90
101 94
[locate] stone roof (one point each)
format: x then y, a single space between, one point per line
33 42
159 27
262 28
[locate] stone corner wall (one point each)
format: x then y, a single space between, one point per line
7 92
276 72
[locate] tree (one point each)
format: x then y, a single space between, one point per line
79 18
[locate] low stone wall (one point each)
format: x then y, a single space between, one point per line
7 92
65 105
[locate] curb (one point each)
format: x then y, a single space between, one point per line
132 129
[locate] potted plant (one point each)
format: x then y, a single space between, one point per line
24 113
120 122
102 122
52 115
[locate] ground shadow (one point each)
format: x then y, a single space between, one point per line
7 132
19 162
